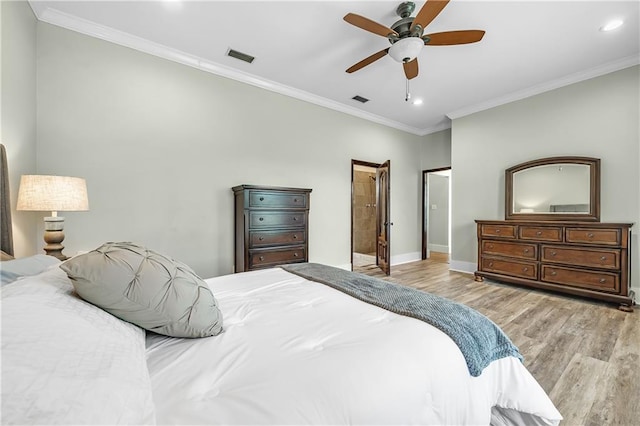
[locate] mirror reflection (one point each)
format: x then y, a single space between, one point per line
561 188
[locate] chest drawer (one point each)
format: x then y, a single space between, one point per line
503 248
266 258
541 233
270 238
592 280
275 200
266 219
502 231
510 267
593 258
611 237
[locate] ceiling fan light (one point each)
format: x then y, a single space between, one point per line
407 49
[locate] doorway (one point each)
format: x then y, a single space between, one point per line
370 208
436 213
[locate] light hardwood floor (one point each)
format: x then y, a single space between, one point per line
585 354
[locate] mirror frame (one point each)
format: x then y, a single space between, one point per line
594 190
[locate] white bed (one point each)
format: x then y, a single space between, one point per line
292 352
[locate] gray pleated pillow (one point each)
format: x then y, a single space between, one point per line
146 288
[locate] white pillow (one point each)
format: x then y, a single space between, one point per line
11 270
65 361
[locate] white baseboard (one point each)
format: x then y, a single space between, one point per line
439 248
461 266
399 259
345 266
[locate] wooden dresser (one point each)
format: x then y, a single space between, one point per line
580 258
271 226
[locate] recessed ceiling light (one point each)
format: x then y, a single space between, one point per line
417 101
611 25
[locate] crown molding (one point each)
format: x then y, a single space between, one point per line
603 69
92 29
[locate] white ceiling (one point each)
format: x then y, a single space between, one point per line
302 49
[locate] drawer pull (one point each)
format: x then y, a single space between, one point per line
554 273
295 218
261 258
590 235
491 264
538 233
260 238
295 237
261 198
603 258
497 231
490 246
261 219
603 280
295 254
295 200
553 253
526 250
525 269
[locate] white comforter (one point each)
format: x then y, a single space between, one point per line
298 352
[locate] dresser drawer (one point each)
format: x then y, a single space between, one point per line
501 231
589 257
541 233
503 248
604 236
266 258
266 219
592 280
510 267
276 200
270 238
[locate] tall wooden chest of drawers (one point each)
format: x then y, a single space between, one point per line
580 258
271 226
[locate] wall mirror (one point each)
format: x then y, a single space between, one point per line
556 188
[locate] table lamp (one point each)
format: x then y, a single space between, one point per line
53 193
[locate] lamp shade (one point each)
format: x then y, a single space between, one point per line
406 49
52 193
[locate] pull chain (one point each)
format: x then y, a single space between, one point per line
408 95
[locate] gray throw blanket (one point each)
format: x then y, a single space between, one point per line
479 339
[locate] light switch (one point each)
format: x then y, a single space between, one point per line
434 207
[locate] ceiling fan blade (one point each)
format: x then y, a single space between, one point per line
454 37
429 11
366 61
368 25
411 69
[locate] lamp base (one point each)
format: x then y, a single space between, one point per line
53 236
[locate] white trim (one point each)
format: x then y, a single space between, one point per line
399 259
345 266
70 22
439 248
462 266
603 69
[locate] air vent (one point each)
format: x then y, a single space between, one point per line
360 99
240 55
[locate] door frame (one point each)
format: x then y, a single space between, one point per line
425 188
353 164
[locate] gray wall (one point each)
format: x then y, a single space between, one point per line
161 144
435 151
593 118
18 115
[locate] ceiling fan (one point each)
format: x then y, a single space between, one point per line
406 35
